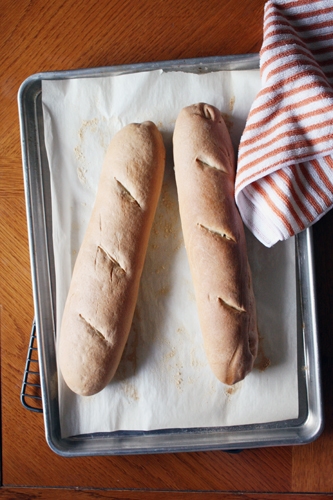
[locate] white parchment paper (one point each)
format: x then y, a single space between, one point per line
163 380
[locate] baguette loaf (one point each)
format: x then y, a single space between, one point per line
215 241
103 292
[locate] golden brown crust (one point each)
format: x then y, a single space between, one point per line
103 292
215 241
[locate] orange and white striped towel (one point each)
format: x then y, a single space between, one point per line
284 180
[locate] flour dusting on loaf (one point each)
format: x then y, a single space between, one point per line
104 287
215 241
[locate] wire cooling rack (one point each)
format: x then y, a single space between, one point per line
31 397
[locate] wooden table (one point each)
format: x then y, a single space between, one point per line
36 36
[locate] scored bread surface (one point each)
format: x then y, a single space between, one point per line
215 241
103 292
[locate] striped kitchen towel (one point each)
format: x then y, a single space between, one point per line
284 180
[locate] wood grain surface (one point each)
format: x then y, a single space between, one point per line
36 36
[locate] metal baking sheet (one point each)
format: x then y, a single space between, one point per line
304 429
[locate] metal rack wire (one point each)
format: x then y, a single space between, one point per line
31 397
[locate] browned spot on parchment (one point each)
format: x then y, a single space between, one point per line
262 362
